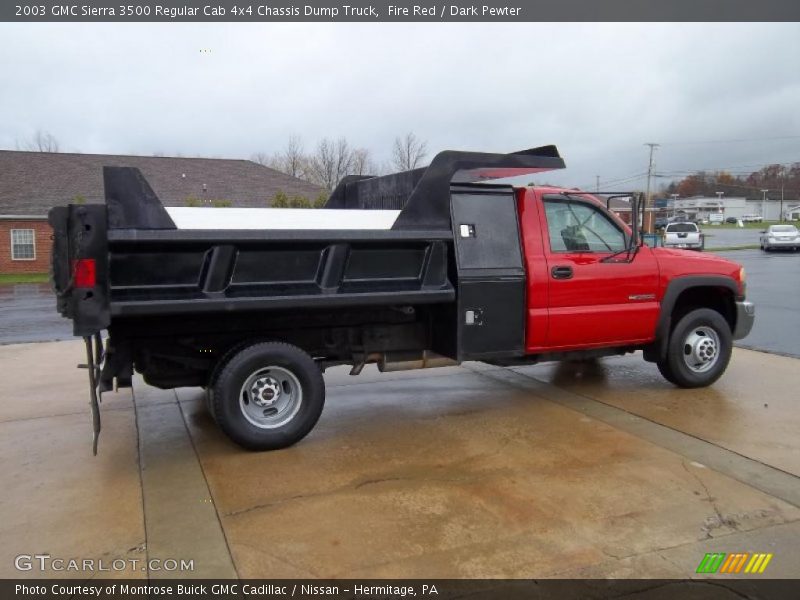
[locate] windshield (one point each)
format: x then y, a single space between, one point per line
783 229
682 227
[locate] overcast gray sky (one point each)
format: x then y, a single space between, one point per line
598 91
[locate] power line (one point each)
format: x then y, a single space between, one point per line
612 184
731 169
671 173
751 187
606 183
736 141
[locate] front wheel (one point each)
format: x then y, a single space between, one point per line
268 396
699 349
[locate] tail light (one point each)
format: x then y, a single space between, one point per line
84 273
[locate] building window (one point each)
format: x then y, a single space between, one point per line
23 244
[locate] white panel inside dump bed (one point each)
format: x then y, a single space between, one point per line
280 218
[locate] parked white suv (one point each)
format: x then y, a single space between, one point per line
683 235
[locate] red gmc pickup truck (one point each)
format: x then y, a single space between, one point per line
417 269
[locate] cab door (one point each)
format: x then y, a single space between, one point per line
593 302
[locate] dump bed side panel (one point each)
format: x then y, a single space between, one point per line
175 274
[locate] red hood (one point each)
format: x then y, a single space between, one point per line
676 263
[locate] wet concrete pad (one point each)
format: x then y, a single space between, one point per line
60 500
43 380
459 476
751 410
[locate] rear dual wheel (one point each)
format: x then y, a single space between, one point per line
267 396
699 349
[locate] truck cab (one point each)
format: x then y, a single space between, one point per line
580 297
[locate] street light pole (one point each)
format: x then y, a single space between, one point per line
674 202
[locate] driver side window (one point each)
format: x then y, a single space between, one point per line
581 227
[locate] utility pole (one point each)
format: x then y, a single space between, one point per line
597 183
764 204
783 185
648 202
674 203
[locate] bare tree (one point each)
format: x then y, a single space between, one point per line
363 163
262 158
294 159
272 161
42 141
409 152
332 160
291 160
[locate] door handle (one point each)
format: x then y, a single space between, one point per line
561 272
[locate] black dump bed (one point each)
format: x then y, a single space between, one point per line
127 258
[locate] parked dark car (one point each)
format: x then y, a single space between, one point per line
733 220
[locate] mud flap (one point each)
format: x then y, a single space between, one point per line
94 357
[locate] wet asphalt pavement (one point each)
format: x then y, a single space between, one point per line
773 284
722 238
725 238
28 314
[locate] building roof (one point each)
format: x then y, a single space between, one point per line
33 182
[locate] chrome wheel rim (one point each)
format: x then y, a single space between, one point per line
701 349
270 397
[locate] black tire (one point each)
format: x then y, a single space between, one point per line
694 357
282 382
209 402
212 379
666 371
